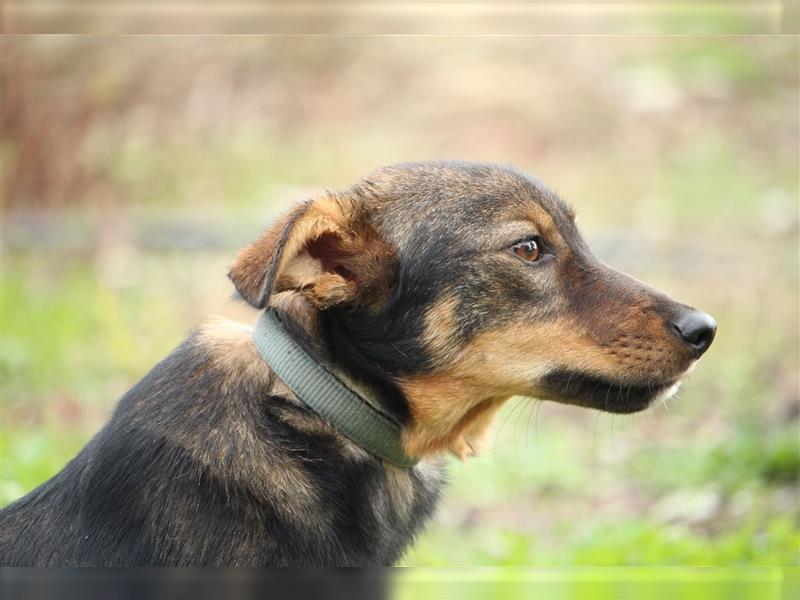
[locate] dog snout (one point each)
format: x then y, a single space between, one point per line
697 329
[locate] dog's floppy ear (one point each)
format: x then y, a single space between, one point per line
325 249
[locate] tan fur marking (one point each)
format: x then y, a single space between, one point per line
232 349
304 272
475 434
545 224
440 325
401 490
329 290
444 409
452 409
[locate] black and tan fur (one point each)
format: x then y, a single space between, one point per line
404 286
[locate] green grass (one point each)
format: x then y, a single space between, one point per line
30 456
582 583
65 330
732 502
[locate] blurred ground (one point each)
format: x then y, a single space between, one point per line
134 168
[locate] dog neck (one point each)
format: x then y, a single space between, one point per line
347 406
438 413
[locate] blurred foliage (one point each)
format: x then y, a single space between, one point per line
133 169
597 583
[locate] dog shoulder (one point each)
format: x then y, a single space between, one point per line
214 376
229 350
218 354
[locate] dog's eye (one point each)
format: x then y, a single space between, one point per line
527 250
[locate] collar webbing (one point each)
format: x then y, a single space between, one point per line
323 392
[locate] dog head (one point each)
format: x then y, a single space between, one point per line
454 286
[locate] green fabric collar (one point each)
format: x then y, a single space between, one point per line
349 413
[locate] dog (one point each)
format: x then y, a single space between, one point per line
397 317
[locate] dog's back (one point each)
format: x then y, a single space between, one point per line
210 460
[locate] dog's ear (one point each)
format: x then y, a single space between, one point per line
325 249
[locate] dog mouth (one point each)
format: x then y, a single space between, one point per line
592 391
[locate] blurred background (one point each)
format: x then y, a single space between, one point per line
133 169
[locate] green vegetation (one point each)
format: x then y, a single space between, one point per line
598 583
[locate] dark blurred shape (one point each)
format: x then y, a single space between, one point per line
194 584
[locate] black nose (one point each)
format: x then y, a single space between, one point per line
697 329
